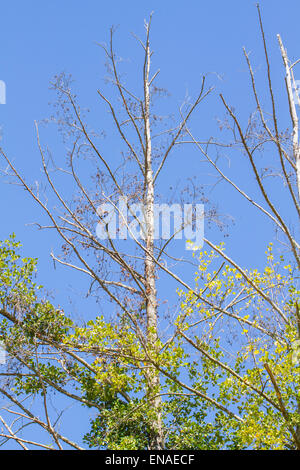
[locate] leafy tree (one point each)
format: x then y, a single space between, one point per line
254 369
101 365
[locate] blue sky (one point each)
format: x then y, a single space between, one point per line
41 39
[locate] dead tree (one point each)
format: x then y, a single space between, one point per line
126 274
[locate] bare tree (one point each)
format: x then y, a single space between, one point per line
126 273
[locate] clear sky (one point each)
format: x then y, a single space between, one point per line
39 39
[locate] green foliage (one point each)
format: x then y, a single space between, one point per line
262 319
234 327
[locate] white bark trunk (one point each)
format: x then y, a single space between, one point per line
151 300
293 111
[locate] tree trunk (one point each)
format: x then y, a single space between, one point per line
156 439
